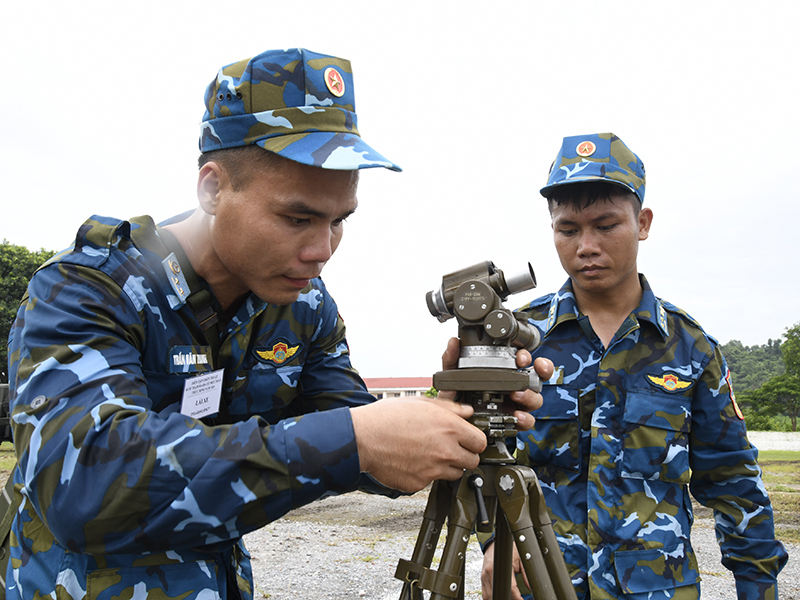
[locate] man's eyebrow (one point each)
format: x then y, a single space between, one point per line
598 218
300 207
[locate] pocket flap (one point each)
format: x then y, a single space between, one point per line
663 411
640 571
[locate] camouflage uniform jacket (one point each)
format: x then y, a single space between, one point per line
623 435
122 495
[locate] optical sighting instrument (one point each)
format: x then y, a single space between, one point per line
498 496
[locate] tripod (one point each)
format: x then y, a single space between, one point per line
512 501
499 492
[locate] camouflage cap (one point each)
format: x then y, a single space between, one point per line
296 103
600 156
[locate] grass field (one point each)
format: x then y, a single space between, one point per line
781 476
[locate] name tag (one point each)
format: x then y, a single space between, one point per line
190 359
201 395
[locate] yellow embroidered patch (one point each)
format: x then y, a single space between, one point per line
669 382
279 354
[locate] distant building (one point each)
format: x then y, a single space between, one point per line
396 387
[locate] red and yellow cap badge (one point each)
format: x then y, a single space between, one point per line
334 82
585 149
669 382
279 354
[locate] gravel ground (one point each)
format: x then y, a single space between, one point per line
347 547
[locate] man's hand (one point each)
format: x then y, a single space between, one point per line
487 573
406 443
528 400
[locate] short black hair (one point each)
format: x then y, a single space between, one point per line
242 162
582 195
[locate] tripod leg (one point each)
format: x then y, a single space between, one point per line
547 540
411 571
448 581
518 487
503 557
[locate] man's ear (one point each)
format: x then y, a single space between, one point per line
645 220
211 180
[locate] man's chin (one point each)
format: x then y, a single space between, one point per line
280 299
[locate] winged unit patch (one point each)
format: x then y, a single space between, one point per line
279 353
669 382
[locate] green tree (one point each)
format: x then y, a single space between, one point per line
790 349
752 366
17 265
779 396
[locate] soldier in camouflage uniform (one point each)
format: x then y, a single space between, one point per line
639 410
175 387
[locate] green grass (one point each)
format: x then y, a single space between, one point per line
781 474
7 459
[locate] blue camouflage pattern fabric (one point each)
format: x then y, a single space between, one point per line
296 103
624 434
122 496
596 157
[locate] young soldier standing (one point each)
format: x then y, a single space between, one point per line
639 411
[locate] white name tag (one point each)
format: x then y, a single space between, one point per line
201 394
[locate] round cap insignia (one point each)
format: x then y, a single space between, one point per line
176 268
586 148
334 82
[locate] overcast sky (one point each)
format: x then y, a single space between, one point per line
103 100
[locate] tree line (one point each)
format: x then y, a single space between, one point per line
765 378
17 265
766 381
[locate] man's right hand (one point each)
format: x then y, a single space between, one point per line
406 443
488 573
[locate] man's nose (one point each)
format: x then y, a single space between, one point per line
588 244
319 248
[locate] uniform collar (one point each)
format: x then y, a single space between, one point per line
651 309
563 308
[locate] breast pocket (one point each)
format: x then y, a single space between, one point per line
267 392
656 439
166 390
555 439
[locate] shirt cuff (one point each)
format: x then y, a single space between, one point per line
322 456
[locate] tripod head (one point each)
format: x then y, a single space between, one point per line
489 335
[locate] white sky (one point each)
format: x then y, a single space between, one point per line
102 104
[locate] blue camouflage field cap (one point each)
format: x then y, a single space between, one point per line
296 103
596 157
